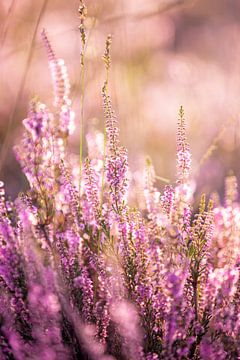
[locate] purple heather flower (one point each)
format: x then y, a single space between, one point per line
85 275
183 150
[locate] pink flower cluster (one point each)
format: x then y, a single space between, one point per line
83 275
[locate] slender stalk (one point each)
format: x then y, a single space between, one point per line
107 61
195 297
82 15
103 170
81 119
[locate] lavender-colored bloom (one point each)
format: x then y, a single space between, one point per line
84 283
83 275
59 74
91 188
183 150
116 159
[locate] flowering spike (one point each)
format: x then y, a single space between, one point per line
59 74
116 158
107 55
83 277
82 10
231 191
183 150
92 189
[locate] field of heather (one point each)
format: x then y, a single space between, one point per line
119 169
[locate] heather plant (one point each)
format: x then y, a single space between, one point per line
84 275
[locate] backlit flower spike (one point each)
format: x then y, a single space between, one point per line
37 122
167 200
59 75
183 150
84 282
199 246
116 157
112 129
231 190
181 210
91 189
116 173
35 152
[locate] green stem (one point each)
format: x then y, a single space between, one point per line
81 117
103 170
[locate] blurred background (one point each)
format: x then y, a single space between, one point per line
165 53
